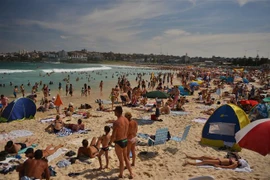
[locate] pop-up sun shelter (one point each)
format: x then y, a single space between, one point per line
220 128
22 108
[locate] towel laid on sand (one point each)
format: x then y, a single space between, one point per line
46 120
200 120
64 132
245 169
58 153
179 112
14 134
23 150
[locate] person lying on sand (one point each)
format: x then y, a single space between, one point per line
101 108
14 148
209 111
229 163
89 151
145 109
49 150
75 127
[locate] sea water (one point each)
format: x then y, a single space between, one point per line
19 73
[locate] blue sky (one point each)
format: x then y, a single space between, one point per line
228 28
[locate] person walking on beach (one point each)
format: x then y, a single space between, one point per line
71 90
67 89
119 137
22 90
101 86
15 90
131 136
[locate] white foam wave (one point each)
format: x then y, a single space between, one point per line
2 71
76 70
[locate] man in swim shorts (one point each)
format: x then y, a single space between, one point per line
119 137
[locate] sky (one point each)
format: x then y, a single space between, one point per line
206 28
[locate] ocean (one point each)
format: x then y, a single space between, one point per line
19 73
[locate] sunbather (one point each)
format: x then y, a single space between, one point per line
101 108
75 127
89 151
49 150
56 126
166 109
229 163
13 148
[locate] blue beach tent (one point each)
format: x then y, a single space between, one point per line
220 128
22 108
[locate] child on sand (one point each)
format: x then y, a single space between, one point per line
105 139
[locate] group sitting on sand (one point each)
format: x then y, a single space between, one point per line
58 124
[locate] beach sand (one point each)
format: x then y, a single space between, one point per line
163 161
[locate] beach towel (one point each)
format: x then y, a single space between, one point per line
179 113
64 132
85 131
58 153
144 121
77 115
46 120
245 169
149 105
200 120
14 134
63 163
23 150
8 159
20 133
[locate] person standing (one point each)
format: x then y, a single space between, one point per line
15 90
101 86
22 90
132 133
119 137
71 90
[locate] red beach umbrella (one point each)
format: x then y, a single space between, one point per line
255 136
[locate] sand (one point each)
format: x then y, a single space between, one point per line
165 161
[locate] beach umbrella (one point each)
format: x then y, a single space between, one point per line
267 99
255 136
157 94
58 101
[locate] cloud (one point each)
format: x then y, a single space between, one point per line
65 37
243 2
193 2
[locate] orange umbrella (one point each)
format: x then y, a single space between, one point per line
58 101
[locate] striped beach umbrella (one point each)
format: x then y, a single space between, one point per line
255 136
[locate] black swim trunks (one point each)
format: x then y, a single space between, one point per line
122 143
105 148
22 145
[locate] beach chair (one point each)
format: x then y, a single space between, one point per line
161 137
184 135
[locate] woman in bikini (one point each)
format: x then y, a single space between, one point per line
131 136
89 151
229 163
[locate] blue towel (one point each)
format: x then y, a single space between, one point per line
63 163
64 132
